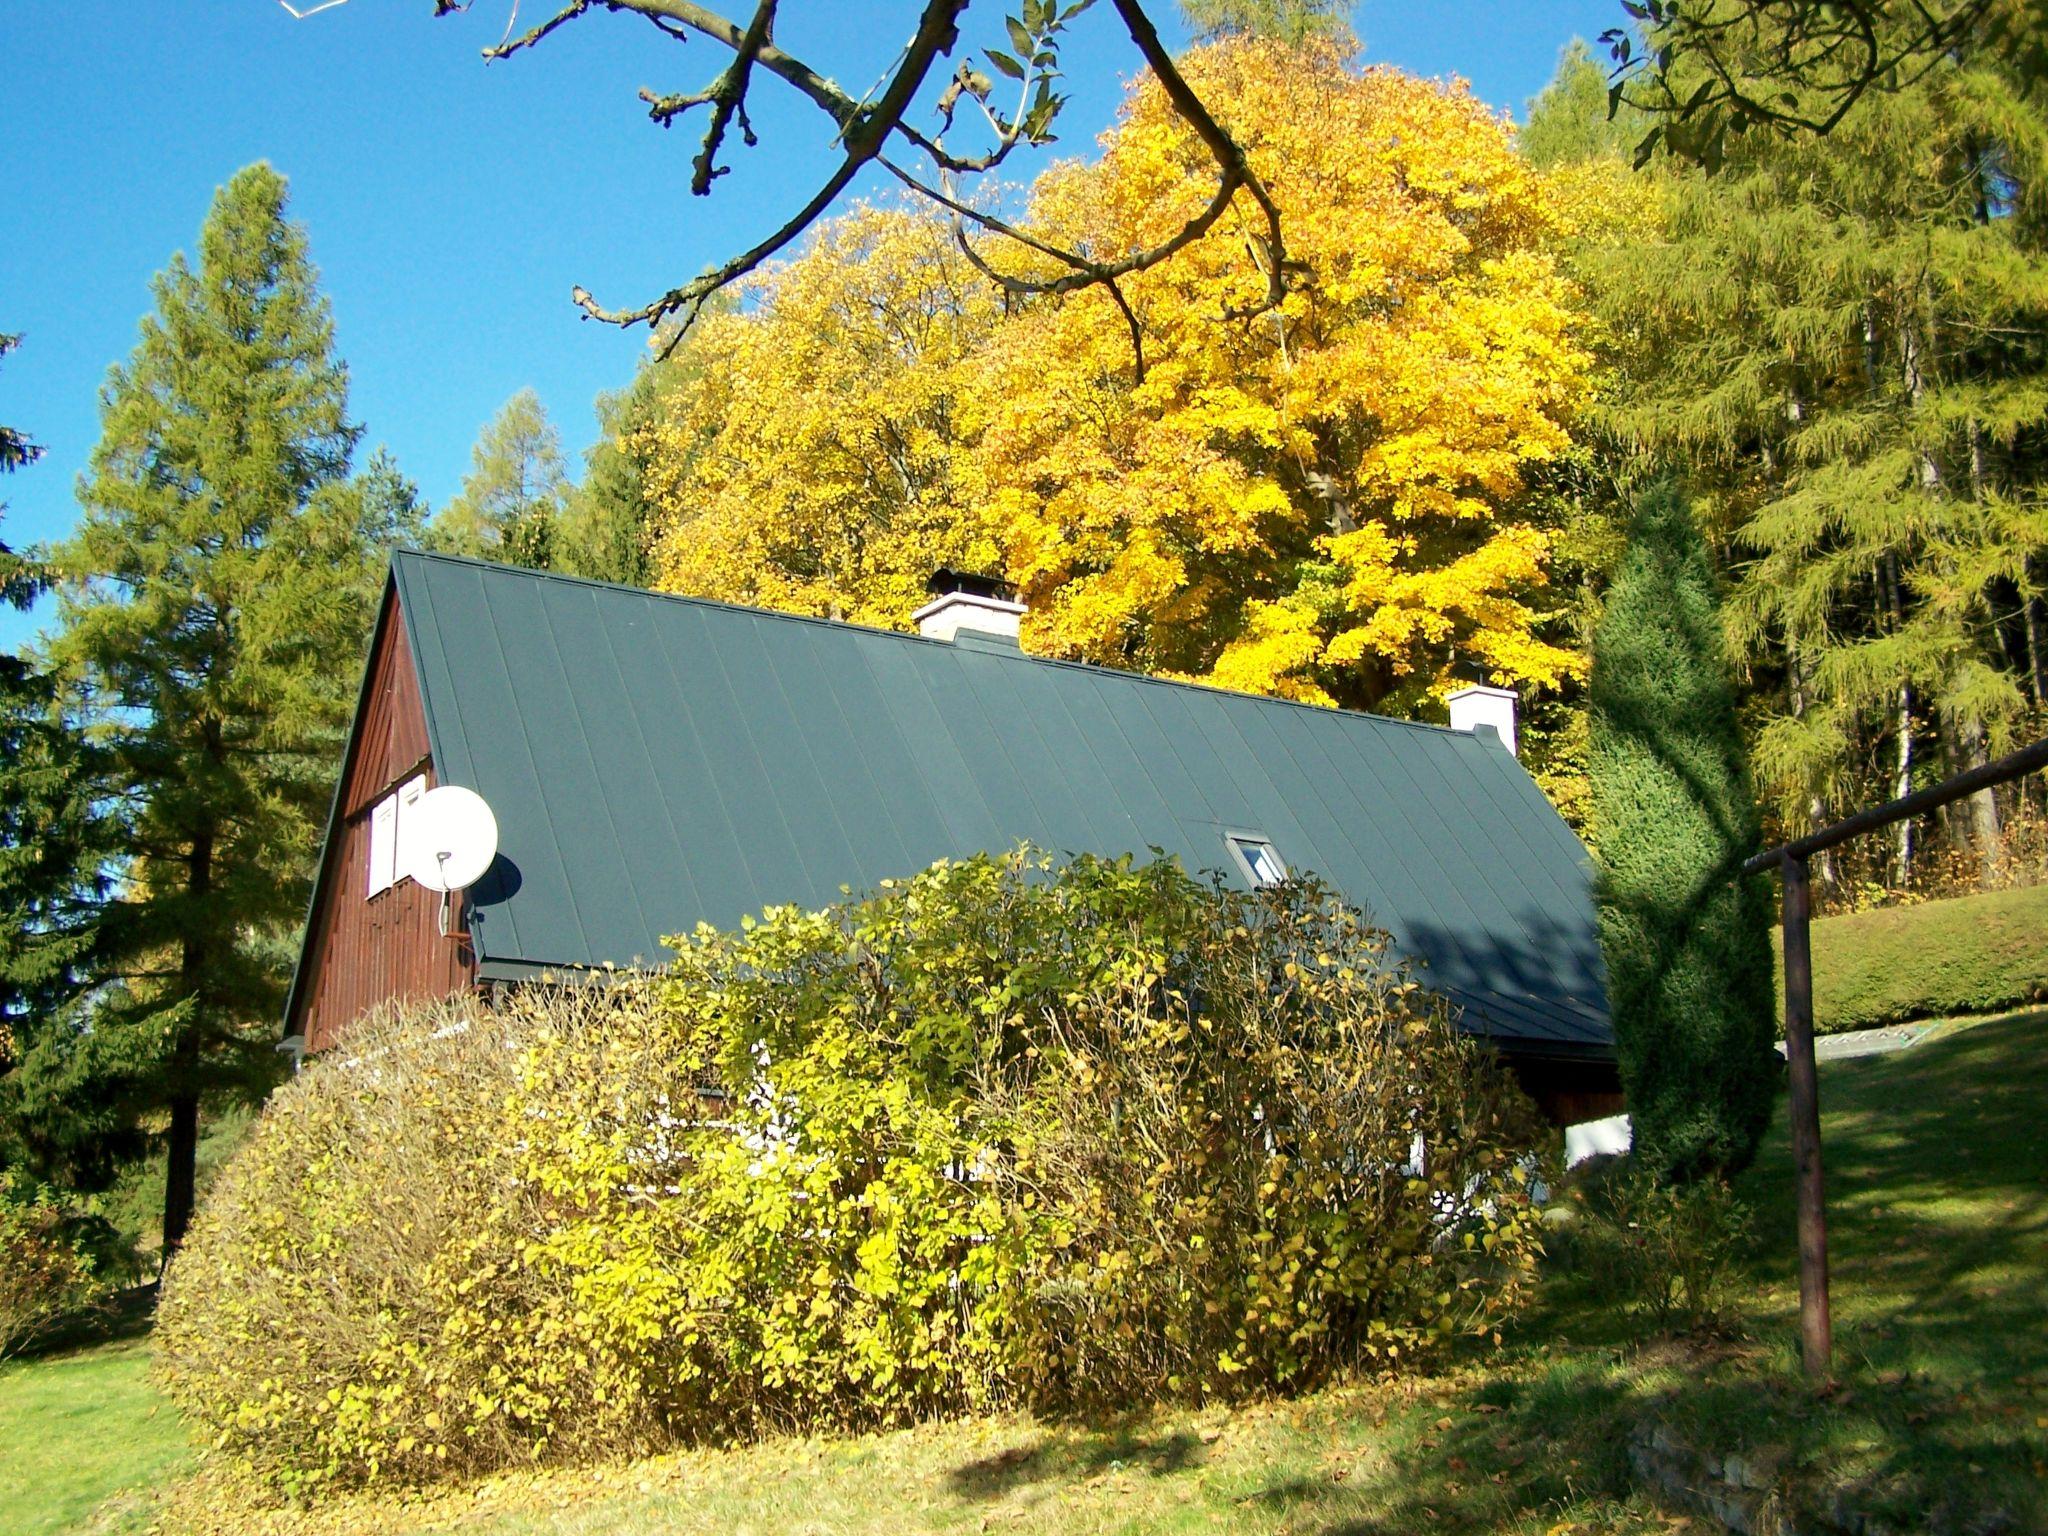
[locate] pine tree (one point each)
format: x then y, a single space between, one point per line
394 514
607 527
215 597
1286 21
1687 940
513 499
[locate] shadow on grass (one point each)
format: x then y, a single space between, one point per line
1081 1453
1938 1191
127 1314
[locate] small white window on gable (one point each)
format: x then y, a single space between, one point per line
1256 857
387 835
383 845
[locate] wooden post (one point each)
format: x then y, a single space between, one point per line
1816 1331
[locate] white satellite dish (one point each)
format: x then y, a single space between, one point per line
448 838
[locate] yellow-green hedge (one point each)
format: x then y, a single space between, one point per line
1970 954
1008 1133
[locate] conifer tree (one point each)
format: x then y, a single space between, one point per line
1687 939
394 514
1841 339
1286 21
608 526
52 840
214 602
512 501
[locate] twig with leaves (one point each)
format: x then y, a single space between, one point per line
1706 70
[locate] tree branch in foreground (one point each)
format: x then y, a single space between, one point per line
865 126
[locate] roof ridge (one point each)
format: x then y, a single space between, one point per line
1092 668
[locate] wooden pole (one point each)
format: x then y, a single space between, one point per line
1816 1330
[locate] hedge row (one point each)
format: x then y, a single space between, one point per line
1971 954
1009 1133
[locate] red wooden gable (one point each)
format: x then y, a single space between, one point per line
365 950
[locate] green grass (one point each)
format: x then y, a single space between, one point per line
85 1442
1936 959
1938 1170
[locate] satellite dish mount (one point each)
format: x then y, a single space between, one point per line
449 839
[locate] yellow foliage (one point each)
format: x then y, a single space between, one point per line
1327 502
811 466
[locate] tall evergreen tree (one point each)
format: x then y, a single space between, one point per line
394 514
1286 21
1843 341
1687 940
214 598
607 523
52 843
512 501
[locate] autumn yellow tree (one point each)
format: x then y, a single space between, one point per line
811 464
1320 502
1328 501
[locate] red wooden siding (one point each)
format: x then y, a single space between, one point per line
1569 1092
363 952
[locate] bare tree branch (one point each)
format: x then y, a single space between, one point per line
864 136
512 45
866 124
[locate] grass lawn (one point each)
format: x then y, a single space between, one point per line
85 1442
1938 1170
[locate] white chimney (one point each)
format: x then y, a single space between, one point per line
968 603
1480 705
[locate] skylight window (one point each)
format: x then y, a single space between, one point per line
1256 857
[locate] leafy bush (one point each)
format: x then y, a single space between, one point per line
50 1259
1666 1253
1972 954
1005 1133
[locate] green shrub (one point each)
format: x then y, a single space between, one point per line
1007 1133
1970 954
1666 1254
51 1259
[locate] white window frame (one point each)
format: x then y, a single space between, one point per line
1247 848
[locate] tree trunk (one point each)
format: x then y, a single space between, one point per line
181 1152
2037 653
1902 773
181 1170
1985 831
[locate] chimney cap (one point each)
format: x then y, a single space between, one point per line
1480 690
945 581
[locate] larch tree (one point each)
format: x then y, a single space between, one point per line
511 504
214 600
1285 21
1686 936
53 841
1841 339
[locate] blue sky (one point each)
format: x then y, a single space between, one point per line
452 205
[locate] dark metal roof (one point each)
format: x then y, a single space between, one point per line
658 761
